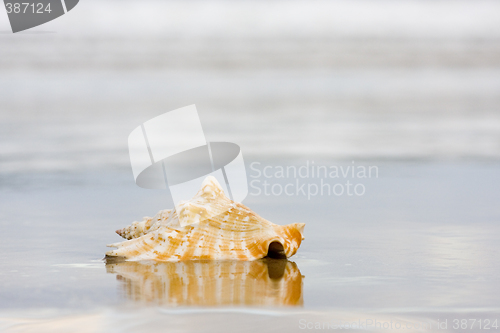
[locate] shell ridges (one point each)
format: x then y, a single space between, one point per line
210 226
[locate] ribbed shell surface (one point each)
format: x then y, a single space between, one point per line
208 227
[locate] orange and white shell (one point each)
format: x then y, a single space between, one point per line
210 226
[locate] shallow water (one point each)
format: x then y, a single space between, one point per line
421 243
409 87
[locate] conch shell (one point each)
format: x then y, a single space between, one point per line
210 226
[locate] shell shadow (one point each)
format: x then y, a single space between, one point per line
264 282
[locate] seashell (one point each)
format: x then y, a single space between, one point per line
263 282
210 226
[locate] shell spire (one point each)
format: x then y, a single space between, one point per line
210 226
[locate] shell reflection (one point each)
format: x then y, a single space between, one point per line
210 226
265 282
